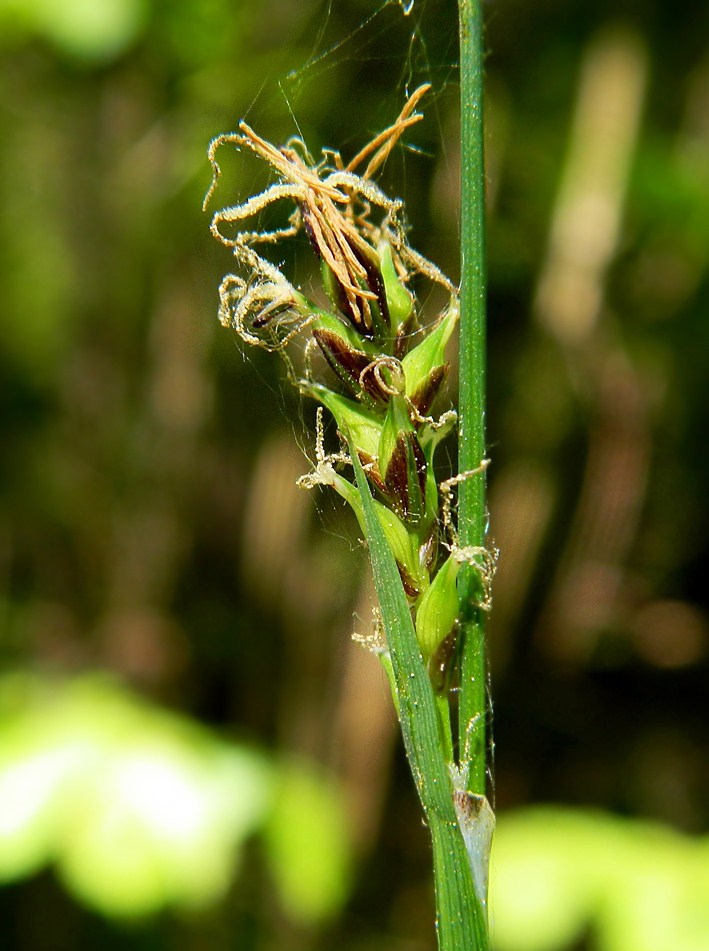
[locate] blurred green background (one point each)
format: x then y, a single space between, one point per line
193 752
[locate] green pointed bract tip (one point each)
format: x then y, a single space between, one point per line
364 426
437 610
431 507
403 545
399 299
402 463
425 365
429 439
326 321
397 421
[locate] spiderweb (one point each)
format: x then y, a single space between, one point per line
348 69
344 75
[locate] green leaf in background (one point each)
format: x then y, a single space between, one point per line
161 822
307 844
141 809
87 29
557 873
33 768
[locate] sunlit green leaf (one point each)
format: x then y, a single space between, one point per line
307 844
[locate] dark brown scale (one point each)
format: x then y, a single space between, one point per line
404 336
341 357
305 215
429 549
397 474
348 364
440 665
370 467
407 581
397 477
375 283
373 389
421 464
424 396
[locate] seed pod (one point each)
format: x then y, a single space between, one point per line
423 397
399 300
442 662
402 462
425 365
437 610
379 308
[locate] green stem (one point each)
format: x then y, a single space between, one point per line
472 510
461 921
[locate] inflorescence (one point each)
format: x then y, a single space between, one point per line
388 368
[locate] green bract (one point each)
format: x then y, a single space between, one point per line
399 300
425 367
403 545
437 611
402 463
364 426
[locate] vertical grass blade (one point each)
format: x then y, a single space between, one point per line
472 510
461 924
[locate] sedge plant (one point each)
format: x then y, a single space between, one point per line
378 367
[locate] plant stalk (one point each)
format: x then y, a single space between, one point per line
460 915
472 507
